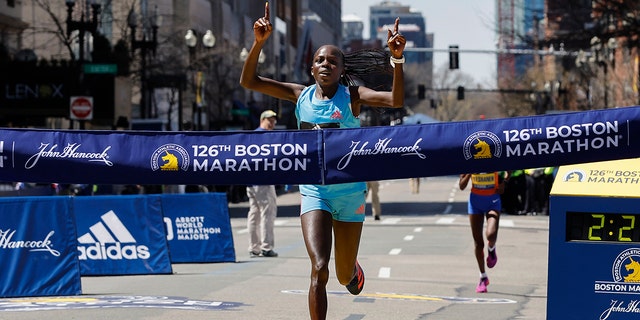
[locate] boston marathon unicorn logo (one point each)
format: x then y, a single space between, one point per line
170 162
482 145
484 150
170 157
633 267
626 266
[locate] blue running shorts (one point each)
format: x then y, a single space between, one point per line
479 204
348 208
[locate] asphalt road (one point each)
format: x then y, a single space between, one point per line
418 261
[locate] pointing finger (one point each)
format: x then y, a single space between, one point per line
266 10
395 28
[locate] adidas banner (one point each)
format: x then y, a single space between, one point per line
322 156
198 227
38 255
120 235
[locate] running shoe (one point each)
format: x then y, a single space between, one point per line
253 254
269 253
482 286
492 258
357 283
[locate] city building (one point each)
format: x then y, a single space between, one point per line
11 26
352 27
412 25
164 80
579 45
519 28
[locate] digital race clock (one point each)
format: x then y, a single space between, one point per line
594 242
598 226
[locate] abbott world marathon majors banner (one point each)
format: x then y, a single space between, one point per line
198 227
318 156
38 252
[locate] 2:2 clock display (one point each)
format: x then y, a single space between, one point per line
603 227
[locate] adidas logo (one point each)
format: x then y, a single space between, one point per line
105 240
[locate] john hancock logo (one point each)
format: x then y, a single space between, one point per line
626 280
170 157
482 145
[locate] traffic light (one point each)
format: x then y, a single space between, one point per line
460 93
453 57
421 91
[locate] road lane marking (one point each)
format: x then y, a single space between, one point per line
410 297
445 220
418 229
67 303
408 238
506 223
384 272
395 251
390 220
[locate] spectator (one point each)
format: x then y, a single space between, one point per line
262 206
372 188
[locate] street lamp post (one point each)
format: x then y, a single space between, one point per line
208 41
603 55
144 45
83 25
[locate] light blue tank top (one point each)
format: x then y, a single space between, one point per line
335 110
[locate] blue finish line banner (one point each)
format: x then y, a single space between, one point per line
120 235
198 227
38 253
323 156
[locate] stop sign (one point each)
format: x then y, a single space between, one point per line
81 108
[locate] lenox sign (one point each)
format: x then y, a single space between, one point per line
24 88
37 92
25 91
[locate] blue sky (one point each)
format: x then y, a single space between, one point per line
470 24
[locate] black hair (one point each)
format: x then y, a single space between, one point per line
368 67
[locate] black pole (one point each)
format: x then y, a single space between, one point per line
144 45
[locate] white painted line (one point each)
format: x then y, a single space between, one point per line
418 229
241 231
384 272
280 222
445 220
506 223
395 251
391 221
408 238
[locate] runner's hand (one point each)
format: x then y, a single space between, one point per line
396 41
262 28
